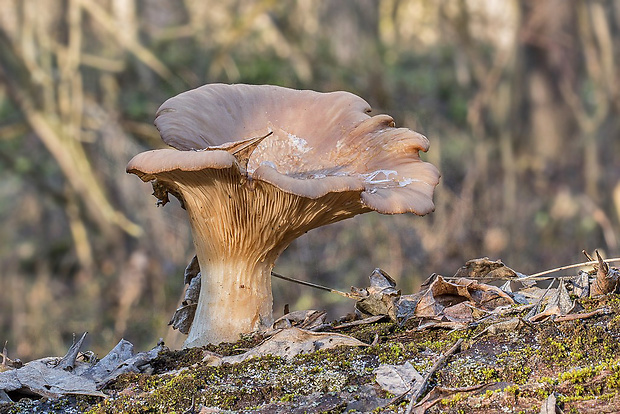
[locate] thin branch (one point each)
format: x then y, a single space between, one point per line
576 316
314 285
572 266
438 365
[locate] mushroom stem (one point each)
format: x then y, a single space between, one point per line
235 297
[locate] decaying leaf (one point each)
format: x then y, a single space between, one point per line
68 361
397 379
486 269
443 299
192 271
550 405
56 377
435 324
533 294
293 341
457 302
559 303
581 284
365 321
305 319
380 298
607 279
121 360
509 326
184 315
42 378
405 307
7 363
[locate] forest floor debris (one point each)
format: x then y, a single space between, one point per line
460 344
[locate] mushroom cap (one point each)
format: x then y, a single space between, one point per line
319 143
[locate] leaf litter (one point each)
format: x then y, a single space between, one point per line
52 377
480 292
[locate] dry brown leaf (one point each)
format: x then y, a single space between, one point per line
305 319
607 279
365 321
581 284
461 312
380 298
442 294
56 377
484 268
397 379
559 304
293 341
533 294
550 405
184 316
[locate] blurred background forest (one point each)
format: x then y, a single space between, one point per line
520 100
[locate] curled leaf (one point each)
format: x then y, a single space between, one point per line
484 268
442 295
293 341
607 279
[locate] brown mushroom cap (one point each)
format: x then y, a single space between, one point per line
320 143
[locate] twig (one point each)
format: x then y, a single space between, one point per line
536 309
587 255
438 364
537 276
572 266
574 316
368 320
314 285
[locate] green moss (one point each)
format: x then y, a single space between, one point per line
613 381
389 353
513 365
453 400
367 333
287 398
578 376
512 389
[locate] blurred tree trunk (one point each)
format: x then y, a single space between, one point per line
355 42
550 56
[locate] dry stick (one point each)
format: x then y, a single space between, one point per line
440 363
313 285
587 255
575 316
557 269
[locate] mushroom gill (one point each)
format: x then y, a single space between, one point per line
258 166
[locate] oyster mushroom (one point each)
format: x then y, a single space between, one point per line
256 167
